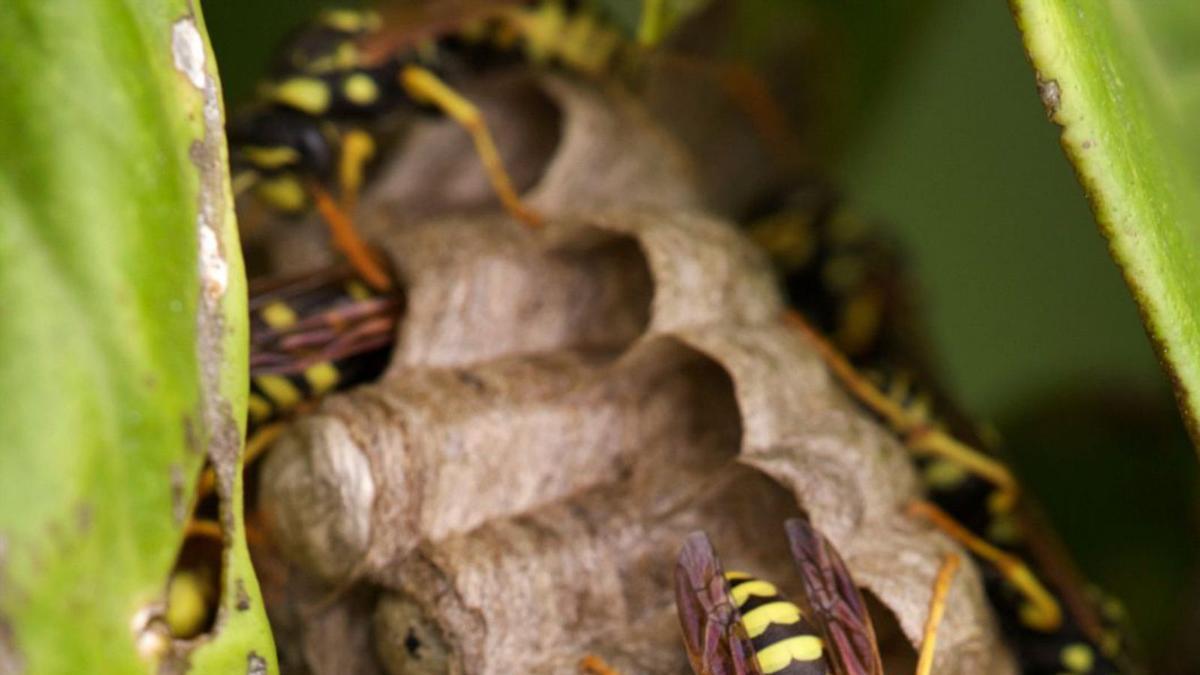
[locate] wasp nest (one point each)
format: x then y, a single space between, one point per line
563 407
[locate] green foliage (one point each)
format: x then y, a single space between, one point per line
124 349
1119 77
1083 453
847 52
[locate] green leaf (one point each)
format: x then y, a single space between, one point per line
123 357
1119 77
856 49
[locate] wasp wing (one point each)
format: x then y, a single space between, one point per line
331 316
712 633
833 602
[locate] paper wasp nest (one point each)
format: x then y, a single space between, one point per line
563 407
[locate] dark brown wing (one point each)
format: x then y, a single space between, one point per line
711 632
331 323
833 602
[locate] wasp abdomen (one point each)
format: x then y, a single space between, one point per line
785 641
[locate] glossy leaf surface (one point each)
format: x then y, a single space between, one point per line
1119 77
123 337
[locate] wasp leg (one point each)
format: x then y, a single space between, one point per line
937 607
346 239
258 443
929 441
917 434
1041 611
424 86
357 149
594 665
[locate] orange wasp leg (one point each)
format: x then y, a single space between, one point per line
346 239
937 607
917 435
594 665
424 86
1041 610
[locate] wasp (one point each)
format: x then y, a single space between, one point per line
837 270
975 500
313 334
847 282
323 112
736 624
309 335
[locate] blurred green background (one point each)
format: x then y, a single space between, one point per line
1030 316
960 157
1036 331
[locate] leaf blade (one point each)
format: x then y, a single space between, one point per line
107 381
1113 75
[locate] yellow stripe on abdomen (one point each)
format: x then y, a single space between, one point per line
278 315
322 377
803 648
283 193
306 94
742 592
259 407
780 612
271 158
784 641
279 390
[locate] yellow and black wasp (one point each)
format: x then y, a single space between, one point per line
313 334
837 270
1049 623
322 115
736 624
973 497
326 108
309 335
